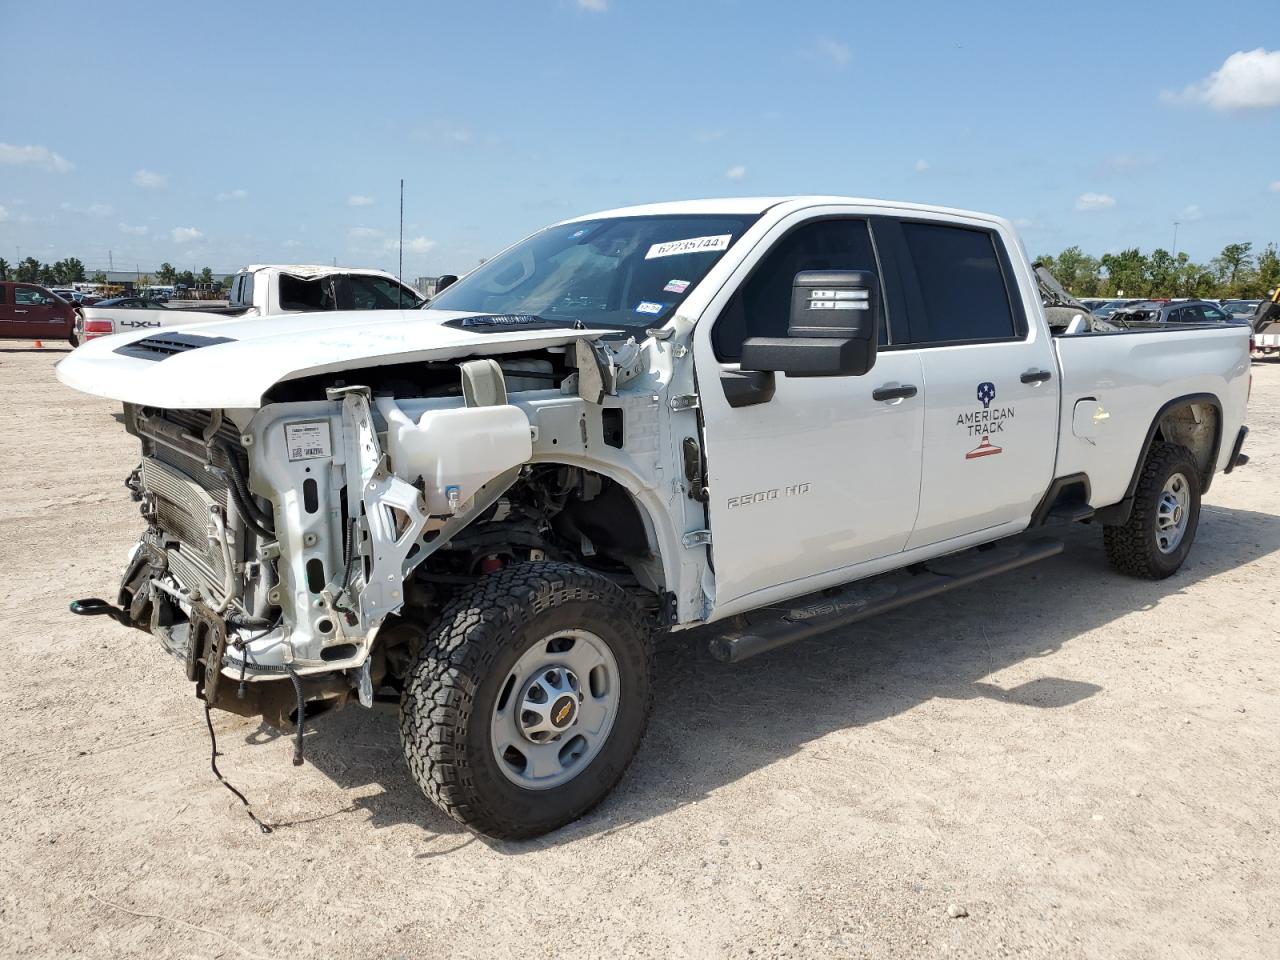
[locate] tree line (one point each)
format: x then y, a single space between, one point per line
72 270
1237 272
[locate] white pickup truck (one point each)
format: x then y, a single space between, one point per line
647 419
260 290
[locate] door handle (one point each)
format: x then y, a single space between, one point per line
893 393
1036 376
20 311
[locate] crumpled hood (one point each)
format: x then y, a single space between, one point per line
232 363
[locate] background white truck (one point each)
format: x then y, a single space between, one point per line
261 290
652 418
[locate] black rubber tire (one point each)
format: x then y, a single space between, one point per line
73 339
1131 546
455 679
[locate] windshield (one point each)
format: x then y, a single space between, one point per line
620 272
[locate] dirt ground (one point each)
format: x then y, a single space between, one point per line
1087 765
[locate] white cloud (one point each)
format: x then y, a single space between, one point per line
133 231
922 166
237 194
92 210
1128 163
150 180
358 200
185 234
1275 186
595 6
1095 201
416 245
447 132
737 172
290 244
1247 80
34 156
1190 214
362 233
831 50
4 215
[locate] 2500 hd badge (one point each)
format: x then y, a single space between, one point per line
764 496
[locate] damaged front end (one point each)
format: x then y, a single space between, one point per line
282 542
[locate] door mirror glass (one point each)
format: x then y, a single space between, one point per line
833 328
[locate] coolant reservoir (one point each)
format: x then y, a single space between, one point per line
455 451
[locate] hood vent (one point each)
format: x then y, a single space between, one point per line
165 345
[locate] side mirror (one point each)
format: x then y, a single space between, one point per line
448 280
833 330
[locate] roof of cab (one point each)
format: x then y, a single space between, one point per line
758 205
312 270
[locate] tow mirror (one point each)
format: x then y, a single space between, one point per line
833 330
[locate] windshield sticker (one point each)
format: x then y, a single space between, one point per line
648 306
676 286
693 245
579 233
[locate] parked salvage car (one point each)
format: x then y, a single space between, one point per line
1172 311
30 312
775 416
1241 309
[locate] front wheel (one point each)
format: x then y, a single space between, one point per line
1155 540
528 700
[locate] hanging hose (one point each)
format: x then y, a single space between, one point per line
255 518
302 715
300 724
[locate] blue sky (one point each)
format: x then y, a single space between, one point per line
228 133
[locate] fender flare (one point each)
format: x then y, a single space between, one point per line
1118 513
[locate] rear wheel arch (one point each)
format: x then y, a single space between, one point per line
1193 421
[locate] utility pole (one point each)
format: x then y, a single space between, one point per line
1175 239
400 274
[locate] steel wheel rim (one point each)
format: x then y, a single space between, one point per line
1173 511
539 742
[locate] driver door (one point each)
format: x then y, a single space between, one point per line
37 314
826 473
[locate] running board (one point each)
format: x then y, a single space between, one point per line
818 613
1072 512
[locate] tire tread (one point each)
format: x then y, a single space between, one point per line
1130 546
458 654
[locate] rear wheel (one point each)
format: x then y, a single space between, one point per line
1155 540
528 700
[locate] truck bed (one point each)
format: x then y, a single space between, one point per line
1115 384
